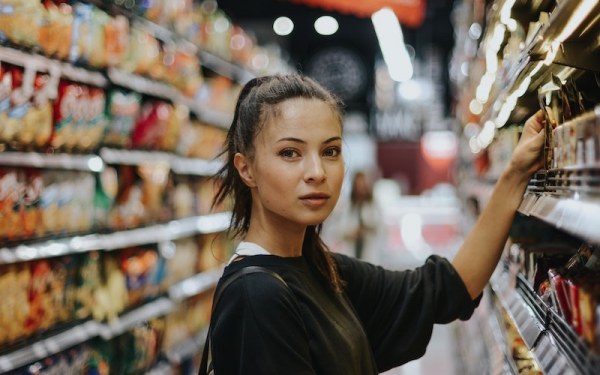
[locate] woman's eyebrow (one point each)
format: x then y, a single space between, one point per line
298 140
291 139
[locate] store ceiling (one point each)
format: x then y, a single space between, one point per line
345 59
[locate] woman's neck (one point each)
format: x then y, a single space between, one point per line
281 241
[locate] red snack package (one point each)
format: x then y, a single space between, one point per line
559 290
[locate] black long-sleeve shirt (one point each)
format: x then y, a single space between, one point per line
382 319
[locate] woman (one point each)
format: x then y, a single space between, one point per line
331 314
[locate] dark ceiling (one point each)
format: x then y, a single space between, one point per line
355 36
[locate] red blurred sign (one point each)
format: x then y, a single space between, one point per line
410 13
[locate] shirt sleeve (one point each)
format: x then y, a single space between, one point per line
258 329
399 308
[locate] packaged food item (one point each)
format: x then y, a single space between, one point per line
181 263
22 91
38 121
14 309
153 126
129 210
10 195
67 113
87 280
137 265
95 120
52 221
143 53
116 39
14 14
111 296
5 91
107 186
123 110
56 28
32 211
81 35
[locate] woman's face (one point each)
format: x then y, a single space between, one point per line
298 167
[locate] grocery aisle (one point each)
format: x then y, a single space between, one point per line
439 222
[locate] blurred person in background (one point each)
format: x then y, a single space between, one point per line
358 222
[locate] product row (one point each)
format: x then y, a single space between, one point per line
37 203
137 350
40 111
84 34
43 295
567 283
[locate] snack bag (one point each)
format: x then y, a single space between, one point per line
116 39
123 110
5 91
22 90
81 36
151 127
37 124
95 120
14 14
56 28
32 213
66 114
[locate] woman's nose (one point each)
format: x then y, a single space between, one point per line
315 172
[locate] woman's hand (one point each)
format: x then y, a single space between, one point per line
528 156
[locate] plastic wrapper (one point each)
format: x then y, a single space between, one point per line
123 110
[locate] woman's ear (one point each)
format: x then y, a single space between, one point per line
242 164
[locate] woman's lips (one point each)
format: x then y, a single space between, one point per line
315 200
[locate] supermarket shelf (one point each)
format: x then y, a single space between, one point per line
577 217
195 284
42 63
92 329
208 115
179 165
188 348
525 319
91 163
143 85
153 234
507 364
570 53
128 320
49 346
225 68
552 341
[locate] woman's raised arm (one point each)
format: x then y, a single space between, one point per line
477 258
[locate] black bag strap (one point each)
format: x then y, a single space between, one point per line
205 366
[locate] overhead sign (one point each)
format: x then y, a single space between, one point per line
410 13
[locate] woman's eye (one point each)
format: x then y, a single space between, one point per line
288 153
332 152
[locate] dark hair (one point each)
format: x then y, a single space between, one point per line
256 104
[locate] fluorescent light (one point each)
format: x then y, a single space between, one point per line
583 9
326 25
391 42
283 26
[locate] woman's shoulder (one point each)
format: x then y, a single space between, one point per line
253 281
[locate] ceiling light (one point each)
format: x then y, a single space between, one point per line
391 42
283 26
326 25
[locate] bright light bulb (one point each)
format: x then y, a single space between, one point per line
326 25
283 26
